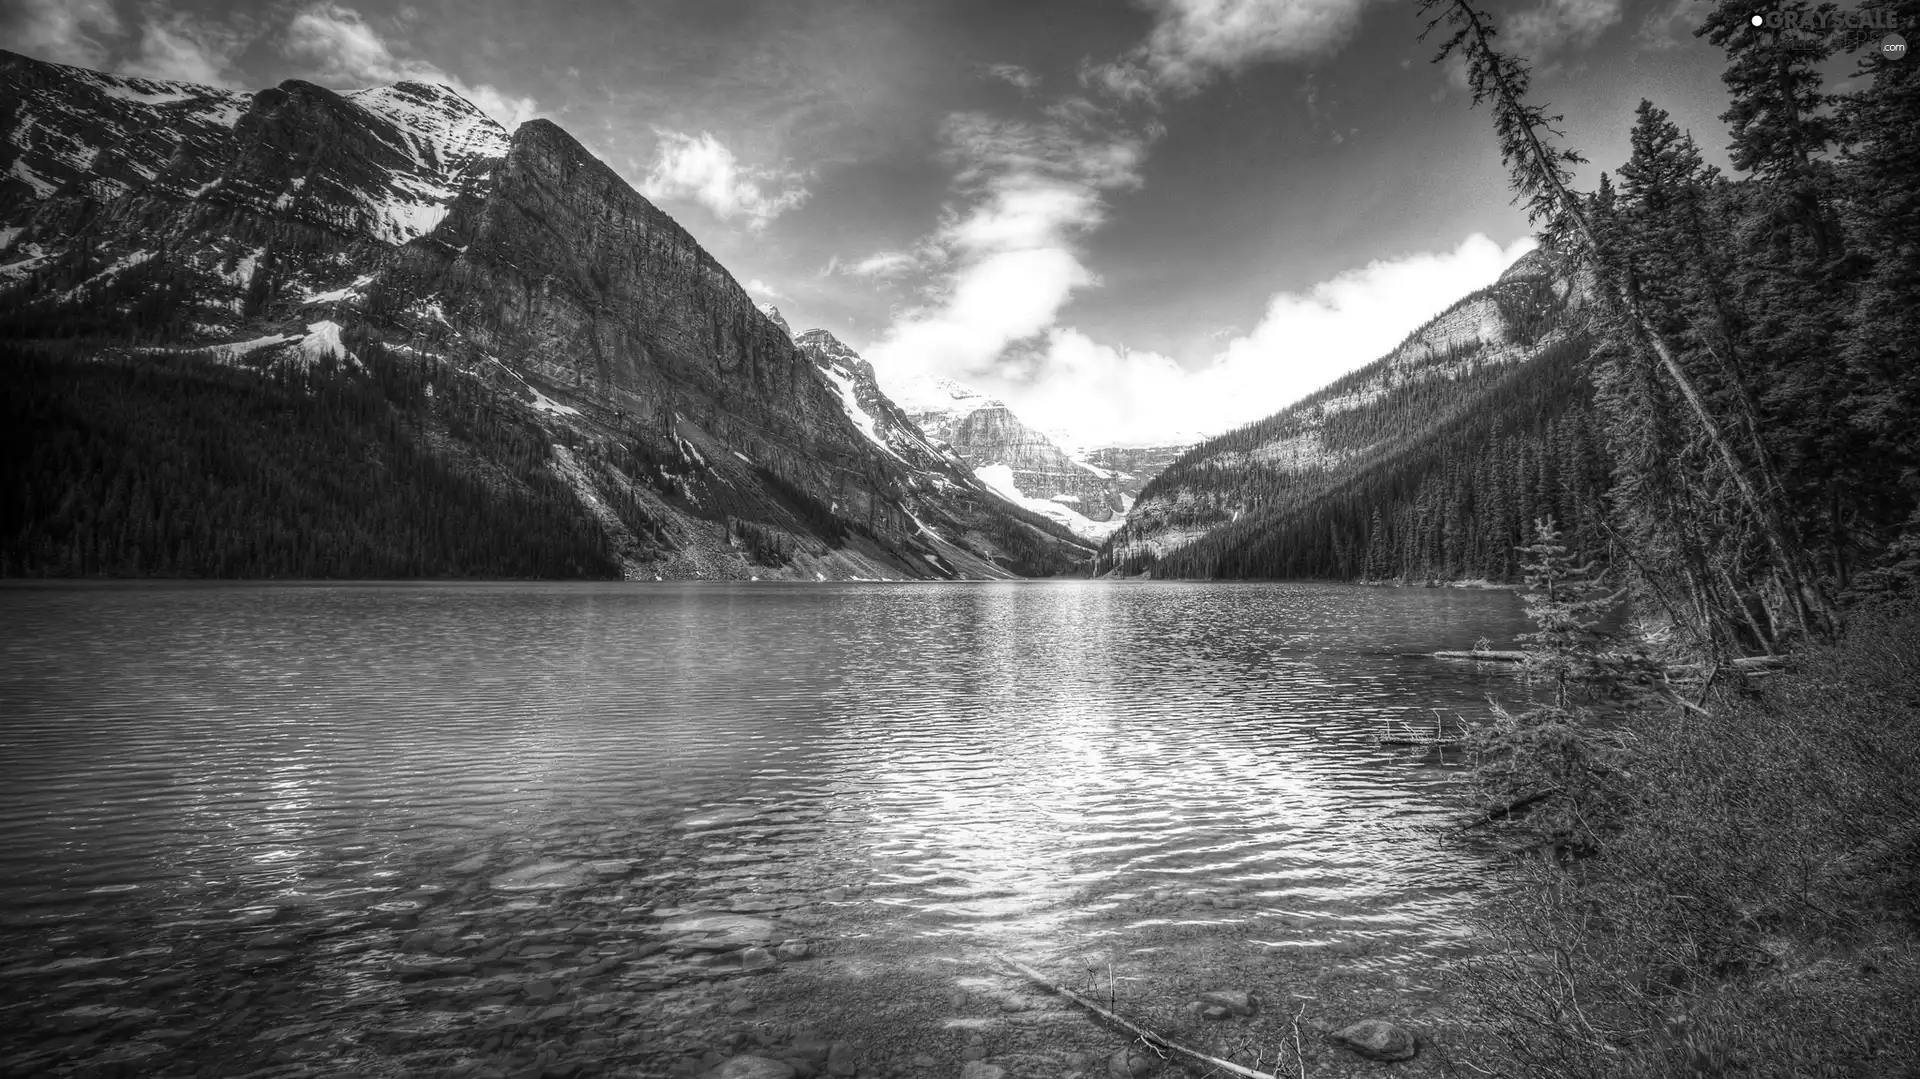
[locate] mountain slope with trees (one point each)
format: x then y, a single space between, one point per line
1730 418
525 323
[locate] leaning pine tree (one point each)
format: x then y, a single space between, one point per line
1541 173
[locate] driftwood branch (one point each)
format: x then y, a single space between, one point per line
1142 1033
1508 810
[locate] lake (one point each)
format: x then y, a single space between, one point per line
571 829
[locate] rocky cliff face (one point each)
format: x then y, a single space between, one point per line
1132 467
295 225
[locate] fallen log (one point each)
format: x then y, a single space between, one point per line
1508 810
1147 1036
1487 656
1415 742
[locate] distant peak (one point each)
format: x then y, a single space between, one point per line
823 340
1536 263
773 314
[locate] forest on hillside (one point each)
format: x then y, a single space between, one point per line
153 464
1738 430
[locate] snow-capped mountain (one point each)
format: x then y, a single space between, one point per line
774 316
1018 461
297 226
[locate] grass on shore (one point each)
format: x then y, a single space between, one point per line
1753 908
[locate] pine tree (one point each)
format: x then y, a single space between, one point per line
1568 602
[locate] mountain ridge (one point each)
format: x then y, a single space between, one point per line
1299 493
295 226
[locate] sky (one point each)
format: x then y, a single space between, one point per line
1136 223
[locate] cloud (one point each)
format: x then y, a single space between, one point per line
1013 75
700 169
883 264
1027 191
1668 25
62 31
761 288
1194 41
349 53
1107 394
1558 24
178 46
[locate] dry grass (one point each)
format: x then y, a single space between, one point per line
1754 908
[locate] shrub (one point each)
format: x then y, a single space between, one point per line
1755 911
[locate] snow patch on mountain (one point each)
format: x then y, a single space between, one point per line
22 172
999 479
850 400
323 342
233 351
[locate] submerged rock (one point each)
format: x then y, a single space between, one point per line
1225 1003
1132 1062
719 931
752 1067
540 877
1375 1039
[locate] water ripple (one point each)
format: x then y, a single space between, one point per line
1025 761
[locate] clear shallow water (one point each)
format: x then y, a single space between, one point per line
226 809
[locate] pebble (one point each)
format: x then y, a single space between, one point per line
756 959
975 1069
841 1059
791 950
925 1060
973 1052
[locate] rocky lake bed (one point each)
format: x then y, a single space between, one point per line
577 963
545 830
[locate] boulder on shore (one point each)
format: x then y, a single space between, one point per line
1375 1039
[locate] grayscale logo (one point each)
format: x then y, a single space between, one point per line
1893 47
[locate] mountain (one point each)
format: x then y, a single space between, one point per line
1425 464
1022 463
311 333
1131 467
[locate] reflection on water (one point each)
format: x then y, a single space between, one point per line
354 794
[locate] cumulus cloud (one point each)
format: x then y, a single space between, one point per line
347 52
1006 257
175 45
1304 340
700 169
761 288
1013 75
1195 41
63 31
1028 191
1559 24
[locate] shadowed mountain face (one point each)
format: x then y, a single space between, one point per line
400 236
1426 463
